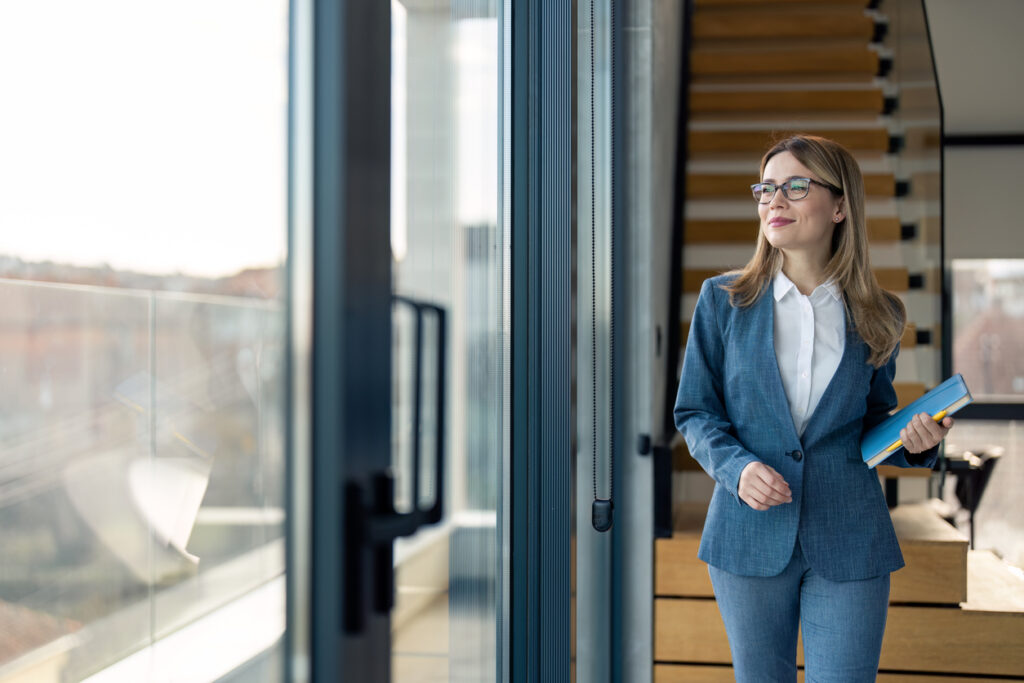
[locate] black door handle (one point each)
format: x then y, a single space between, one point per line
662 489
373 522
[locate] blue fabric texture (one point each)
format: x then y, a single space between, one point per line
841 622
732 410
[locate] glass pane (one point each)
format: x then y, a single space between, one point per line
998 520
917 121
988 324
218 440
141 267
76 553
448 246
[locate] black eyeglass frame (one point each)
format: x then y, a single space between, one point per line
785 187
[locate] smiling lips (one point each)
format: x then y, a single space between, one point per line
779 222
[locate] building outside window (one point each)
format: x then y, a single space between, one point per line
988 324
142 261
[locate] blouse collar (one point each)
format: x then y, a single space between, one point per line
783 284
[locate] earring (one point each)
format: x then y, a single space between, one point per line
837 219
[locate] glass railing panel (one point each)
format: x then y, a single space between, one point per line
67 437
145 167
917 123
214 487
141 468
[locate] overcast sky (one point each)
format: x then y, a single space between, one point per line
147 135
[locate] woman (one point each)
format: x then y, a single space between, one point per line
789 361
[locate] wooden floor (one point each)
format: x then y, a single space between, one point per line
419 650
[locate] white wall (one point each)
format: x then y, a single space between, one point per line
979 54
984 211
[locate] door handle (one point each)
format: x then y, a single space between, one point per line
372 520
662 452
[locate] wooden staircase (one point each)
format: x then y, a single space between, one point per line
952 611
760 70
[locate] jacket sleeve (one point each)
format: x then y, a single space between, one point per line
881 401
700 413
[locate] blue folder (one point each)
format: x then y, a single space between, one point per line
884 439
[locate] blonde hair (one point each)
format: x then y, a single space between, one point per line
878 316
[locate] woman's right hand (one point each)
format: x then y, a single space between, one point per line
761 487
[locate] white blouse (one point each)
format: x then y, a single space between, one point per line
810 335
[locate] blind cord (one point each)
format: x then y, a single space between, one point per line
601 511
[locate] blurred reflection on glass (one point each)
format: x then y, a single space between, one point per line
449 243
142 448
917 123
988 324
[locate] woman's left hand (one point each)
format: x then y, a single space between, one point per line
922 432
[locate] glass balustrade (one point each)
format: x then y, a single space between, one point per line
141 468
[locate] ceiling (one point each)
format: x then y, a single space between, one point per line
979 55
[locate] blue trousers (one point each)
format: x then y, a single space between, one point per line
842 624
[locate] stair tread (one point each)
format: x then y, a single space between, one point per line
891 279
914 523
893 472
782 116
679 451
757 141
802 22
935 572
993 585
918 523
790 123
785 62
946 640
786 80
688 519
797 88
744 208
762 3
738 184
764 136
815 47
714 673
741 231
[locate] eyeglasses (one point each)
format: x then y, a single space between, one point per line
793 189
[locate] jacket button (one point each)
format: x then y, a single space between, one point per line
797 455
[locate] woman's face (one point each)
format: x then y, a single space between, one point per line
799 225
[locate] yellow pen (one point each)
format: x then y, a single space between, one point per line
937 417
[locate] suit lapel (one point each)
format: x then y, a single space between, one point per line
837 394
852 360
780 404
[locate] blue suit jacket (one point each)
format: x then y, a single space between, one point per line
732 410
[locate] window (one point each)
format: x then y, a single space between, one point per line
988 324
142 420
